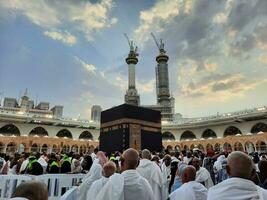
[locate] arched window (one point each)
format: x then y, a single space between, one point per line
55 148
2 147
238 147
192 147
188 135
168 136
200 147
21 148
40 131
44 148
209 147
82 149
34 148
231 130
217 147
11 148
177 148
259 127
261 146
208 133
86 135
186 148
249 147
74 148
10 129
64 133
227 147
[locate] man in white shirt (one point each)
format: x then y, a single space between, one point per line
239 186
190 190
129 185
152 173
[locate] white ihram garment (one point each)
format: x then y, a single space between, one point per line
190 191
236 189
166 173
218 163
96 187
152 173
23 165
203 176
129 185
95 173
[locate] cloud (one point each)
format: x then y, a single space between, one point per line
146 86
262 58
220 18
99 83
222 86
65 37
73 16
155 18
88 67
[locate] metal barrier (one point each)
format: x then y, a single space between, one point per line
57 184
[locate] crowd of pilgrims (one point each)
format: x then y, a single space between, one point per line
145 175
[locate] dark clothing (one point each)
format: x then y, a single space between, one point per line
52 167
35 169
65 167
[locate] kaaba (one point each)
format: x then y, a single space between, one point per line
127 126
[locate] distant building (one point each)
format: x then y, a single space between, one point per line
96 113
42 106
26 105
57 111
10 102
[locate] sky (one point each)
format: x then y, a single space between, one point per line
72 53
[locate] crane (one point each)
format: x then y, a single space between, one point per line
131 45
160 46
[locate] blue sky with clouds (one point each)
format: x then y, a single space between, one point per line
73 52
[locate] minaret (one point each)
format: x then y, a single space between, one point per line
162 76
164 100
131 96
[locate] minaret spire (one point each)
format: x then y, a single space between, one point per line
131 96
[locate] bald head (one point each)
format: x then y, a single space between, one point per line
146 154
239 165
189 174
109 169
32 190
130 159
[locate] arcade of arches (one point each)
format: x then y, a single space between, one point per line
249 143
38 139
12 144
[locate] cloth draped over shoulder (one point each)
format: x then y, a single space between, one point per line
236 189
94 174
190 191
152 173
129 185
96 187
203 176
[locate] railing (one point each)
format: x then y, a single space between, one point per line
57 184
229 115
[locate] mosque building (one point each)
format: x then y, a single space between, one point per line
28 126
